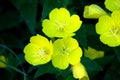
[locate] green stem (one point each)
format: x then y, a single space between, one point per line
22 72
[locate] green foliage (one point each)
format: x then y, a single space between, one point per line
21 19
28 11
9 20
117 52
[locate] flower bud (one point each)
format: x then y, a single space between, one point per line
2 59
79 72
92 53
93 11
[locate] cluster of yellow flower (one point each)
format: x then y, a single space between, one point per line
61 52
65 50
108 26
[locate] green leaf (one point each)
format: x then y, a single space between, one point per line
94 42
9 20
113 72
89 29
11 40
105 60
43 69
117 52
31 68
14 68
70 77
91 65
81 37
83 34
10 57
48 68
28 11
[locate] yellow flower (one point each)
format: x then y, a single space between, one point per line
109 29
66 51
79 72
38 51
2 58
60 23
93 11
93 54
112 5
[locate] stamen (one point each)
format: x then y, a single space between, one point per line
65 51
43 52
61 26
114 30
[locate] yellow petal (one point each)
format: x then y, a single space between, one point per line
64 34
74 56
61 14
70 43
116 18
112 5
110 39
49 28
60 61
37 59
31 49
104 24
39 40
57 45
74 24
79 71
93 11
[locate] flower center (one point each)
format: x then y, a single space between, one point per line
64 50
61 26
43 52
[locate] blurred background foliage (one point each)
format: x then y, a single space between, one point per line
20 19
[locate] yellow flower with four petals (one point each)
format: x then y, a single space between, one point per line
66 51
108 27
38 51
61 24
